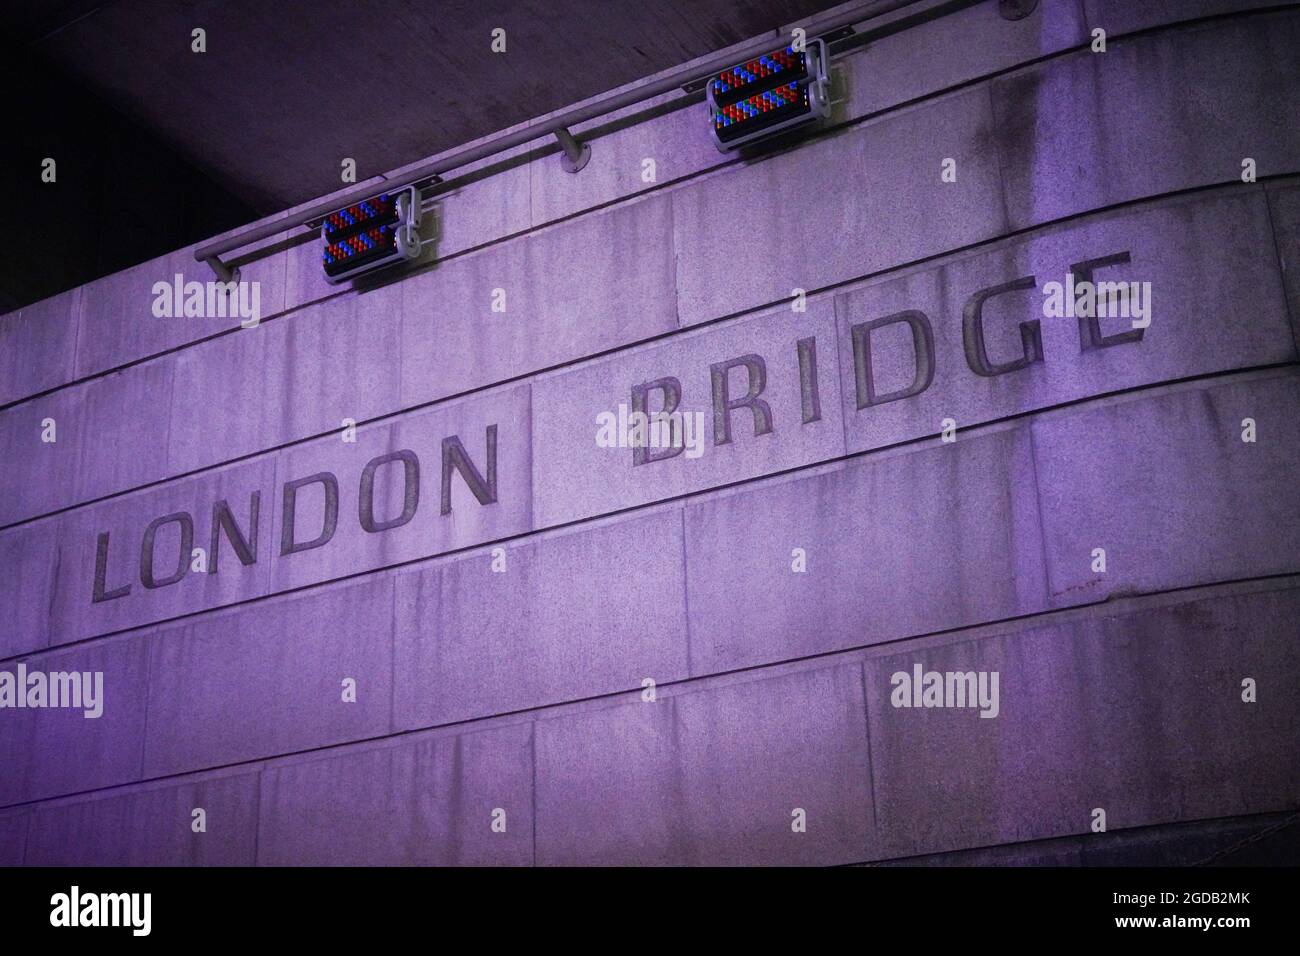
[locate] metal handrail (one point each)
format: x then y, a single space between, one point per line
211 252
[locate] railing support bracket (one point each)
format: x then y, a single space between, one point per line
222 271
575 155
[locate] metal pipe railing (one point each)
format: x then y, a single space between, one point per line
558 126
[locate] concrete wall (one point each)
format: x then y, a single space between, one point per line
499 622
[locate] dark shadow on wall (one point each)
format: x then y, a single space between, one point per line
120 196
1270 839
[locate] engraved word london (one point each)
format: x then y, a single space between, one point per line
483 484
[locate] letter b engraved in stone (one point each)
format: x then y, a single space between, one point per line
671 389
